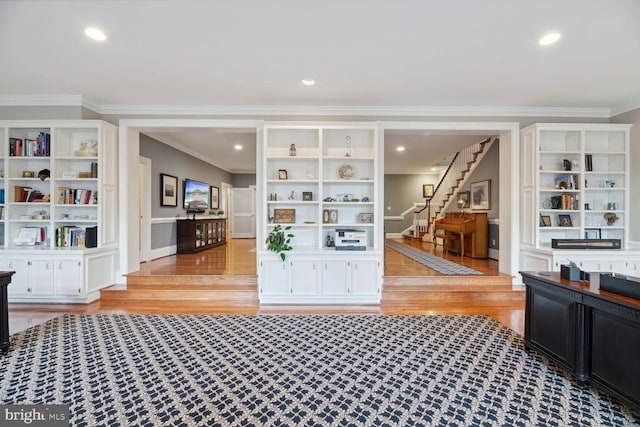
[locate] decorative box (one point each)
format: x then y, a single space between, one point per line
570 273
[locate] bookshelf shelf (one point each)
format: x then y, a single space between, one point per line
576 174
37 158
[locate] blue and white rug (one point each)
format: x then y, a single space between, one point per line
272 370
436 263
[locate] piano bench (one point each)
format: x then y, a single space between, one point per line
450 241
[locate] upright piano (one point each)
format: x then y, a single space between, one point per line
463 232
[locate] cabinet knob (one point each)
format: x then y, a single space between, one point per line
28 289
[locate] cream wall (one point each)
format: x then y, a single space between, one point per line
633 117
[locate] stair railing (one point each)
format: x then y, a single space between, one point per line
450 181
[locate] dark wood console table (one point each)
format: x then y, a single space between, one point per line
593 334
5 279
195 235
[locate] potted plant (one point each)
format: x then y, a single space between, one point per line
279 240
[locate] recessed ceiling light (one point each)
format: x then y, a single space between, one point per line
434 169
549 38
95 34
308 82
400 148
237 147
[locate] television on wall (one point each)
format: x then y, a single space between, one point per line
196 195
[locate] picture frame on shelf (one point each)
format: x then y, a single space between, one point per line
481 195
307 196
564 220
282 174
365 218
168 190
593 233
284 216
214 199
330 216
545 221
462 199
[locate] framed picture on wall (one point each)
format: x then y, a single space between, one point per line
481 195
215 198
168 190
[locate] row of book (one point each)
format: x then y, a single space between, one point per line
27 194
26 147
74 236
564 202
77 196
69 236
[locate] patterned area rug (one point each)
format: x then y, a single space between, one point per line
433 262
266 370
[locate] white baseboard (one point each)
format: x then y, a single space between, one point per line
393 235
162 252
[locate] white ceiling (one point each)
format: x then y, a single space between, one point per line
455 57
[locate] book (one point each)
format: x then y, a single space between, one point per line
20 193
588 162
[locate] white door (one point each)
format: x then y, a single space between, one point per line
144 208
242 215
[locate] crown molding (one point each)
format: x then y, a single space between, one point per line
621 109
311 110
40 100
390 111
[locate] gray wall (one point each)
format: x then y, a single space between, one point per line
487 169
243 180
401 192
168 160
633 117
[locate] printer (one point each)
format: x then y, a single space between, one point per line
348 239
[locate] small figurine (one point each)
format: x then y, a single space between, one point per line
292 150
292 196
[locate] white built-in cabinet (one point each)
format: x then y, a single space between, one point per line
317 178
79 193
328 278
572 177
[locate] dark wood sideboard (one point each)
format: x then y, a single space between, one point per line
5 279
592 333
195 235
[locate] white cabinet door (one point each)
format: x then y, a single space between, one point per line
633 266
41 276
273 277
604 265
19 285
68 277
365 277
335 276
304 276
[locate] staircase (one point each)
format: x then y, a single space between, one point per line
200 292
457 174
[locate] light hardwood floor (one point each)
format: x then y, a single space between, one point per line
407 296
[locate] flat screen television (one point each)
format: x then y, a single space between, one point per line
196 196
